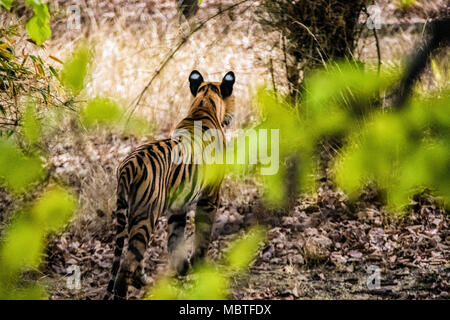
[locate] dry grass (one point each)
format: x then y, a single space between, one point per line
126 57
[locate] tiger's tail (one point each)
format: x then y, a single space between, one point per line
121 235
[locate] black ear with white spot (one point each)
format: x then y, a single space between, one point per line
226 87
195 80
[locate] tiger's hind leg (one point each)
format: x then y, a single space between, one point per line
205 213
177 254
131 266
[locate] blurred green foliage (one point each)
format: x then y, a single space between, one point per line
337 100
38 27
106 112
6 4
22 168
279 114
402 151
243 250
405 3
100 110
31 126
18 172
53 209
97 111
76 68
209 282
24 239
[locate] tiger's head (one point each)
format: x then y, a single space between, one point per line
215 95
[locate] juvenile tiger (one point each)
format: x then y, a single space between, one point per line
165 176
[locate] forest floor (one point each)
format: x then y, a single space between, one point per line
411 260
326 247
309 255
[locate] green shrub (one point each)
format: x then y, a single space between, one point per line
402 151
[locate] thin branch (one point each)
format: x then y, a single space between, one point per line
377 42
286 65
378 49
273 77
315 39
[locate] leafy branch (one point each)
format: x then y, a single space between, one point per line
38 27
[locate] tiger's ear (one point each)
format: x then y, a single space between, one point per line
226 87
195 80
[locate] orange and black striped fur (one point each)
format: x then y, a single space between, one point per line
150 183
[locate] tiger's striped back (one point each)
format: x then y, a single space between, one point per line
152 180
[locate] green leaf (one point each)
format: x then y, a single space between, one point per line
53 210
209 281
244 250
33 292
6 4
139 126
38 30
75 69
54 72
17 171
101 111
22 247
31 124
406 3
38 27
165 289
210 284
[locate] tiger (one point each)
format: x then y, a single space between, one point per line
150 183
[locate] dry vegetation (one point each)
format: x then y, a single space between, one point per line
320 250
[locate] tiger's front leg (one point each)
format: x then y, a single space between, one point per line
175 242
205 214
